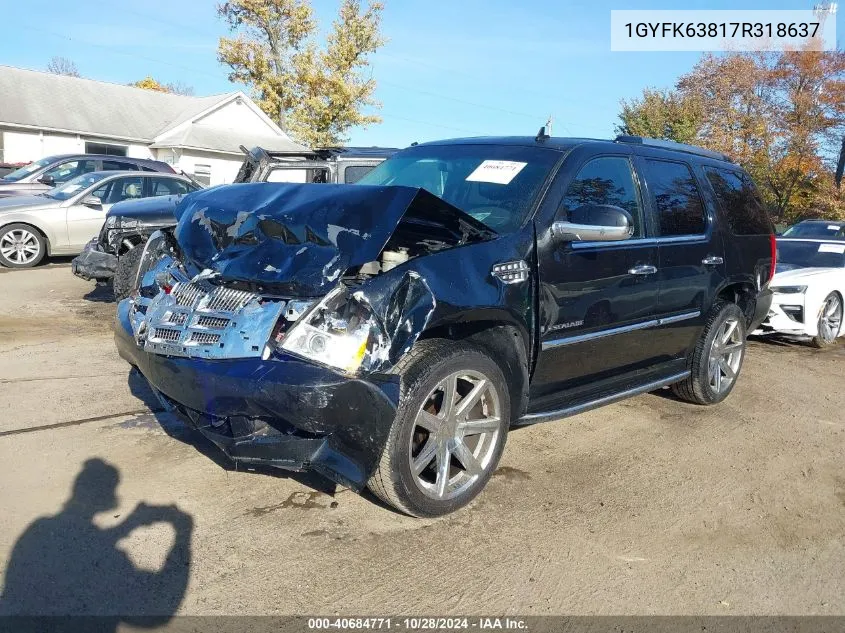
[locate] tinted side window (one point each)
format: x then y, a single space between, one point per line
120 189
739 201
114 165
605 180
354 173
71 169
168 187
677 200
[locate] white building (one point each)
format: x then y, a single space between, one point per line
43 114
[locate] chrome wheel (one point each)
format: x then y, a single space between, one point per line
830 319
456 432
725 356
19 246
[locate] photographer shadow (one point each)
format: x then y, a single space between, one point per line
65 564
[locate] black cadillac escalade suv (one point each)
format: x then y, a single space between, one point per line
389 334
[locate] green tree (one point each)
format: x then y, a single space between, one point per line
316 93
663 114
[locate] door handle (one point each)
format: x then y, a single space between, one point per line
642 269
712 260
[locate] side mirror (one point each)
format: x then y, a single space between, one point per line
92 201
595 223
47 180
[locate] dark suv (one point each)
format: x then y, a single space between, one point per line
46 173
389 335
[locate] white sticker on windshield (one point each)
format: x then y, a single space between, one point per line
71 188
500 172
832 227
832 248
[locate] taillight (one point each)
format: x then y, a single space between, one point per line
773 247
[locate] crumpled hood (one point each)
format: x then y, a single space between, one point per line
300 238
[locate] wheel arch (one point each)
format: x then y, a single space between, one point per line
504 342
743 294
27 221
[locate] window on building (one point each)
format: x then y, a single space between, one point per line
677 200
606 180
202 174
105 148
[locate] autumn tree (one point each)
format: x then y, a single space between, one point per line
780 115
149 83
315 92
62 66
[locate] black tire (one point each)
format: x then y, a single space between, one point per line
697 388
123 282
36 241
422 370
819 340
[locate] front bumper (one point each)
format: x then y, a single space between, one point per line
282 412
93 263
788 315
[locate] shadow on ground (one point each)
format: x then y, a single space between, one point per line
100 294
176 428
64 564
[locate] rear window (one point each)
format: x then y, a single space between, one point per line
740 201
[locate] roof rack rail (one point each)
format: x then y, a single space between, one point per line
678 147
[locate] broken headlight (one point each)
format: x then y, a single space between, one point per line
340 331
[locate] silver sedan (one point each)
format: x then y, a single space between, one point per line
62 220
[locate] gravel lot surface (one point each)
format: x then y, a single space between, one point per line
650 506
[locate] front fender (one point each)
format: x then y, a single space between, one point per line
54 238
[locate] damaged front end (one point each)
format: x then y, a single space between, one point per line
271 319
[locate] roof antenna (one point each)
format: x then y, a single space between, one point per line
541 135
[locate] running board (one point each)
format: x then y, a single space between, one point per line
548 416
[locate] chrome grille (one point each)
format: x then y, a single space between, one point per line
187 294
228 299
178 318
213 322
166 334
204 338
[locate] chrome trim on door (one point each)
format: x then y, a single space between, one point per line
642 269
548 416
712 260
589 336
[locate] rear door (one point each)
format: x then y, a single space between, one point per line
691 257
597 299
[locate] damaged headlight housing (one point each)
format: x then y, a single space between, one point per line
341 331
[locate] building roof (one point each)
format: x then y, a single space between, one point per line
207 137
48 101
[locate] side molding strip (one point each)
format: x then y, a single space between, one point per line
580 338
548 416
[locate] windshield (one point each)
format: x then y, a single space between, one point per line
825 230
75 186
495 184
26 170
792 255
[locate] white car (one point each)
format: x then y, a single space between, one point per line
63 220
809 287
